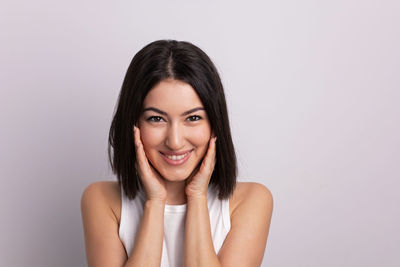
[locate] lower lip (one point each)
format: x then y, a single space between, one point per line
176 162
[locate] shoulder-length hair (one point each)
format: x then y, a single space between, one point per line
170 59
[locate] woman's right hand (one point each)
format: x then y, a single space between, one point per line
154 184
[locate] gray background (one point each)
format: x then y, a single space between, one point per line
313 94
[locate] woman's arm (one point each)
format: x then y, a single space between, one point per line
101 225
149 239
245 243
199 249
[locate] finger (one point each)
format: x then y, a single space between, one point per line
142 161
209 160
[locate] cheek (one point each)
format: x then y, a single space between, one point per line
200 138
150 137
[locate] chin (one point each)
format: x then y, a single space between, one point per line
176 176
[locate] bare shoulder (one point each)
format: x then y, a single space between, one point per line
104 195
250 221
100 207
249 194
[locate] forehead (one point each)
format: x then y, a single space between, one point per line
172 95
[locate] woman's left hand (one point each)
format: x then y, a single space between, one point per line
197 185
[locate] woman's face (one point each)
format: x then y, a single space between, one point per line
174 128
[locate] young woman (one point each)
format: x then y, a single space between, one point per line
177 202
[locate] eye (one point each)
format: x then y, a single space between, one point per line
154 119
194 118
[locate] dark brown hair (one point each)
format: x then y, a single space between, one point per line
156 62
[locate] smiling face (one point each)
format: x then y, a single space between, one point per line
175 129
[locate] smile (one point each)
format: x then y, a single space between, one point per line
176 158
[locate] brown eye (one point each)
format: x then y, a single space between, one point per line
194 118
154 119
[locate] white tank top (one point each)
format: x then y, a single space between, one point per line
174 225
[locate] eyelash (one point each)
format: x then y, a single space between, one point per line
158 118
197 118
154 119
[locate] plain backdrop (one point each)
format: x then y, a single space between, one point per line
313 96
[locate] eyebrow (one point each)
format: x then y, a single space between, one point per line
165 113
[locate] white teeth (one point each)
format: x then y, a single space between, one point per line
175 157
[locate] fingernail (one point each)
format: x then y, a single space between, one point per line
215 139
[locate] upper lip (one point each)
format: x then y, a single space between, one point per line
175 153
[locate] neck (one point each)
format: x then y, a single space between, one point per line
176 193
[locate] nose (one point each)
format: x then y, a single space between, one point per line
175 137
